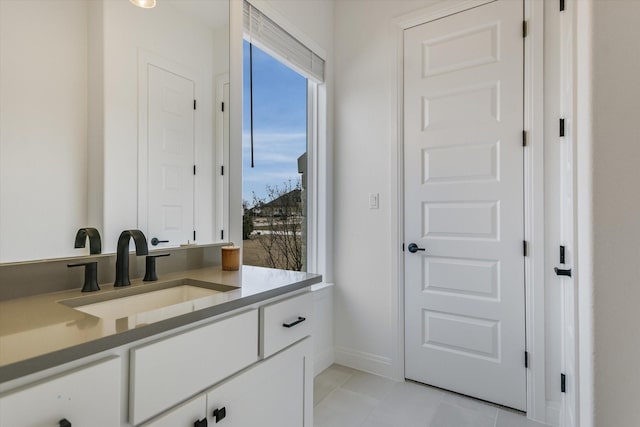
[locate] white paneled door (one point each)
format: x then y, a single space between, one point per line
171 157
463 161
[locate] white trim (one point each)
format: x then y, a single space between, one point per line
553 414
235 122
583 216
363 361
534 191
311 262
221 158
437 11
534 209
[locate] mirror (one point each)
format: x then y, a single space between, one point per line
106 112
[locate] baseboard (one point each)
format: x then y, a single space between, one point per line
323 360
554 409
363 361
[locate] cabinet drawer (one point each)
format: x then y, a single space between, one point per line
269 394
88 396
285 322
169 371
185 415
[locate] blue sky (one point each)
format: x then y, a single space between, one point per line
279 124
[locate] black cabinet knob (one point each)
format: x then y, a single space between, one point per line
201 423
64 423
219 414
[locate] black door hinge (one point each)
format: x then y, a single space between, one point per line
524 138
194 169
221 234
222 170
194 104
562 254
563 383
403 247
561 5
524 29
194 235
525 248
526 359
222 107
562 127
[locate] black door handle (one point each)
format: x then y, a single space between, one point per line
562 272
413 248
292 324
155 241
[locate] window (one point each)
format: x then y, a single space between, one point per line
274 147
280 83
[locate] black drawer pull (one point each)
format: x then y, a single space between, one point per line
220 414
291 325
64 423
561 272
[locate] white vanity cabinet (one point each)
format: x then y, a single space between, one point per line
86 396
276 391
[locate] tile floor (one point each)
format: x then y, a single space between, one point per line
344 397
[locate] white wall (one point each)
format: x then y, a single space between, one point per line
365 91
43 127
166 33
616 211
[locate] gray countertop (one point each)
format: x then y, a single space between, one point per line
39 332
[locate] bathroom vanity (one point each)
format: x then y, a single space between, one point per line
195 348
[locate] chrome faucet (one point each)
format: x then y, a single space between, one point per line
122 256
95 245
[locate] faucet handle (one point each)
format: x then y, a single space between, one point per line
150 274
90 275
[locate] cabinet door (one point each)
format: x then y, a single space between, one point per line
89 396
186 415
275 393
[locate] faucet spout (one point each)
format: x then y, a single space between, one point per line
95 244
122 255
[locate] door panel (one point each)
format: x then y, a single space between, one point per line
463 159
171 156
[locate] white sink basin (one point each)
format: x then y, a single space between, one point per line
161 300
128 306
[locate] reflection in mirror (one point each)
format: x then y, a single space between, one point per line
98 126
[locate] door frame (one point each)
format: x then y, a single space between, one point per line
533 189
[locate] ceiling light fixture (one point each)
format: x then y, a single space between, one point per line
146 4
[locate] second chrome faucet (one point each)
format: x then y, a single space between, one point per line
122 255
